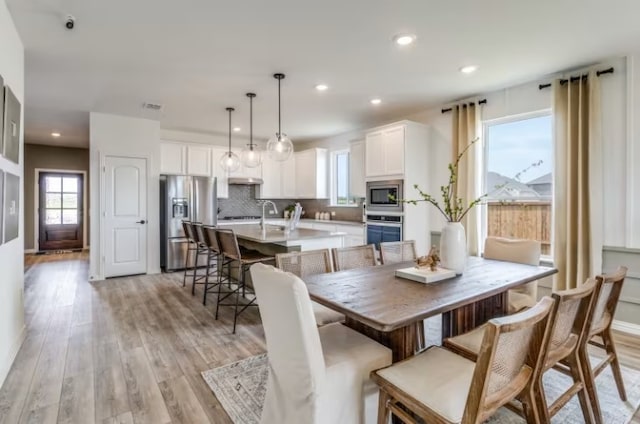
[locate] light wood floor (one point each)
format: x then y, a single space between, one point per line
128 350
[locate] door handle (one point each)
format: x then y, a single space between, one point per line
141 222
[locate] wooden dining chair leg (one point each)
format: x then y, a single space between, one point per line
607 338
383 411
590 385
530 407
540 401
578 378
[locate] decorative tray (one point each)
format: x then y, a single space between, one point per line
425 275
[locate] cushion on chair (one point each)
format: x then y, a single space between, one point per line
519 300
469 342
325 315
436 377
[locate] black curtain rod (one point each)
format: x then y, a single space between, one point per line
574 79
480 102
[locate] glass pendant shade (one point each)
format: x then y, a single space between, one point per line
229 161
279 147
251 156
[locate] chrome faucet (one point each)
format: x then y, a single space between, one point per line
275 210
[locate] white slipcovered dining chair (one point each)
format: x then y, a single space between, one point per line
519 251
316 375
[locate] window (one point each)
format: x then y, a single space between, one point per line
518 178
61 200
340 185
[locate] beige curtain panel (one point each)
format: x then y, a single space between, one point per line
577 244
466 128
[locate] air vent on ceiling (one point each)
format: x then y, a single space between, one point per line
151 106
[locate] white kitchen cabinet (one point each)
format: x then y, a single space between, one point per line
279 179
173 158
356 169
385 152
199 160
218 172
311 174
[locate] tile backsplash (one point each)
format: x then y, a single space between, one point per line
242 202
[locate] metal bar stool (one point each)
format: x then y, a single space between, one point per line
214 264
196 247
240 260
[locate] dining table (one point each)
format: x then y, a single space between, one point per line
390 309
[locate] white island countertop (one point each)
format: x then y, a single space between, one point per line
276 235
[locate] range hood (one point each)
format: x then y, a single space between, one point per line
244 181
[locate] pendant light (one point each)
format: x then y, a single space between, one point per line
250 156
229 160
280 146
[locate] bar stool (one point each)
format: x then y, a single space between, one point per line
192 248
199 248
241 260
214 261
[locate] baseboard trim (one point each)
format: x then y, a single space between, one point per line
29 251
626 327
6 366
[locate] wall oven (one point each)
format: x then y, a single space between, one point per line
384 196
383 228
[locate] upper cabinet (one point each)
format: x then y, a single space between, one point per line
199 160
173 158
311 173
356 169
218 172
385 152
302 176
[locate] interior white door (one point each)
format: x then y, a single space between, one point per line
125 216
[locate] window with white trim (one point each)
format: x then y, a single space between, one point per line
339 179
518 178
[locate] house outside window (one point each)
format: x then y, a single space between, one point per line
518 178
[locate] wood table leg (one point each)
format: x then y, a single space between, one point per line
468 317
402 341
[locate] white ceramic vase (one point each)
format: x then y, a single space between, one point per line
453 247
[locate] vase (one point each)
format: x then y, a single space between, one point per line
453 247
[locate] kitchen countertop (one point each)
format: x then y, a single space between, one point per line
226 223
275 234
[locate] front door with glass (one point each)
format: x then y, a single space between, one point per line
60 211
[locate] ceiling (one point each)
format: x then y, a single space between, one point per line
196 57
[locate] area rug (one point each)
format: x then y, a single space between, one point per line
241 387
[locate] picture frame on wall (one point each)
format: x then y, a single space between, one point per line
1 118
11 206
12 116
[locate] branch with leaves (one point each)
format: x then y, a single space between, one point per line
454 208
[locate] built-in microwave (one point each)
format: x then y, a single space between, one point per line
384 196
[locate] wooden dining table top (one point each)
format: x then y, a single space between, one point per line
376 297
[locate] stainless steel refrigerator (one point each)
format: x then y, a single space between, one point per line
183 198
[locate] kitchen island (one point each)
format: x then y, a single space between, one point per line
273 239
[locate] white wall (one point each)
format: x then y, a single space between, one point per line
12 329
124 136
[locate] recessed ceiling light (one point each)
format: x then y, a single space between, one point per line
468 69
236 129
375 101
404 39
55 134
322 87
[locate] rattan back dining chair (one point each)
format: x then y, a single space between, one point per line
307 263
240 260
599 326
392 252
353 257
442 387
568 323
